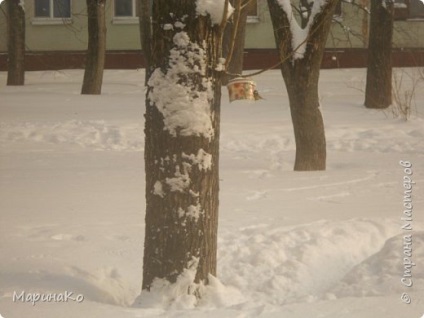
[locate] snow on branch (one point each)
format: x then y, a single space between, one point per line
215 8
299 34
21 4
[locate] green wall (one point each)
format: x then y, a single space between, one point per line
125 36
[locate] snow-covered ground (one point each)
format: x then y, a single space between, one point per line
291 244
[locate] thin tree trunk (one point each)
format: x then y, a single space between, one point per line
365 22
95 58
301 77
378 91
16 43
234 40
308 125
145 29
181 152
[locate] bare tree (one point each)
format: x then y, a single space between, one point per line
301 47
181 140
16 42
378 91
95 58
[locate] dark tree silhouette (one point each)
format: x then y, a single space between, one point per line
182 141
16 43
378 91
95 58
301 47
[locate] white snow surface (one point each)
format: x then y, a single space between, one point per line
291 244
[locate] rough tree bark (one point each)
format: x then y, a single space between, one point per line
16 43
378 91
234 39
301 75
95 58
181 142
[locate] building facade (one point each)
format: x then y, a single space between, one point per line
56 31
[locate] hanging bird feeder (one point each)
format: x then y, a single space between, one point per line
241 88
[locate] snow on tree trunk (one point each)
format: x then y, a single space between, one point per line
378 91
301 48
16 43
182 143
95 58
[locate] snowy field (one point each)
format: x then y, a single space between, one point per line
291 244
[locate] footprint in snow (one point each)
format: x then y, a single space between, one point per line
257 195
67 237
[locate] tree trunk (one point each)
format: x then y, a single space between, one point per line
234 39
95 58
365 22
378 91
181 144
16 43
308 123
301 75
144 14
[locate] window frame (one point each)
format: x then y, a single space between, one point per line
51 19
254 18
133 19
402 11
338 13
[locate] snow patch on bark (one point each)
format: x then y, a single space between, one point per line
193 212
180 182
158 189
181 39
168 27
177 93
179 25
203 159
220 67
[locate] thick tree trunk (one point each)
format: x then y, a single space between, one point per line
378 91
301 75
95 58
182 144
16 43
234 39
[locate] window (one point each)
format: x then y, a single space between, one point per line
125 11
338 12
124 8
52 9
409 9
252 8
